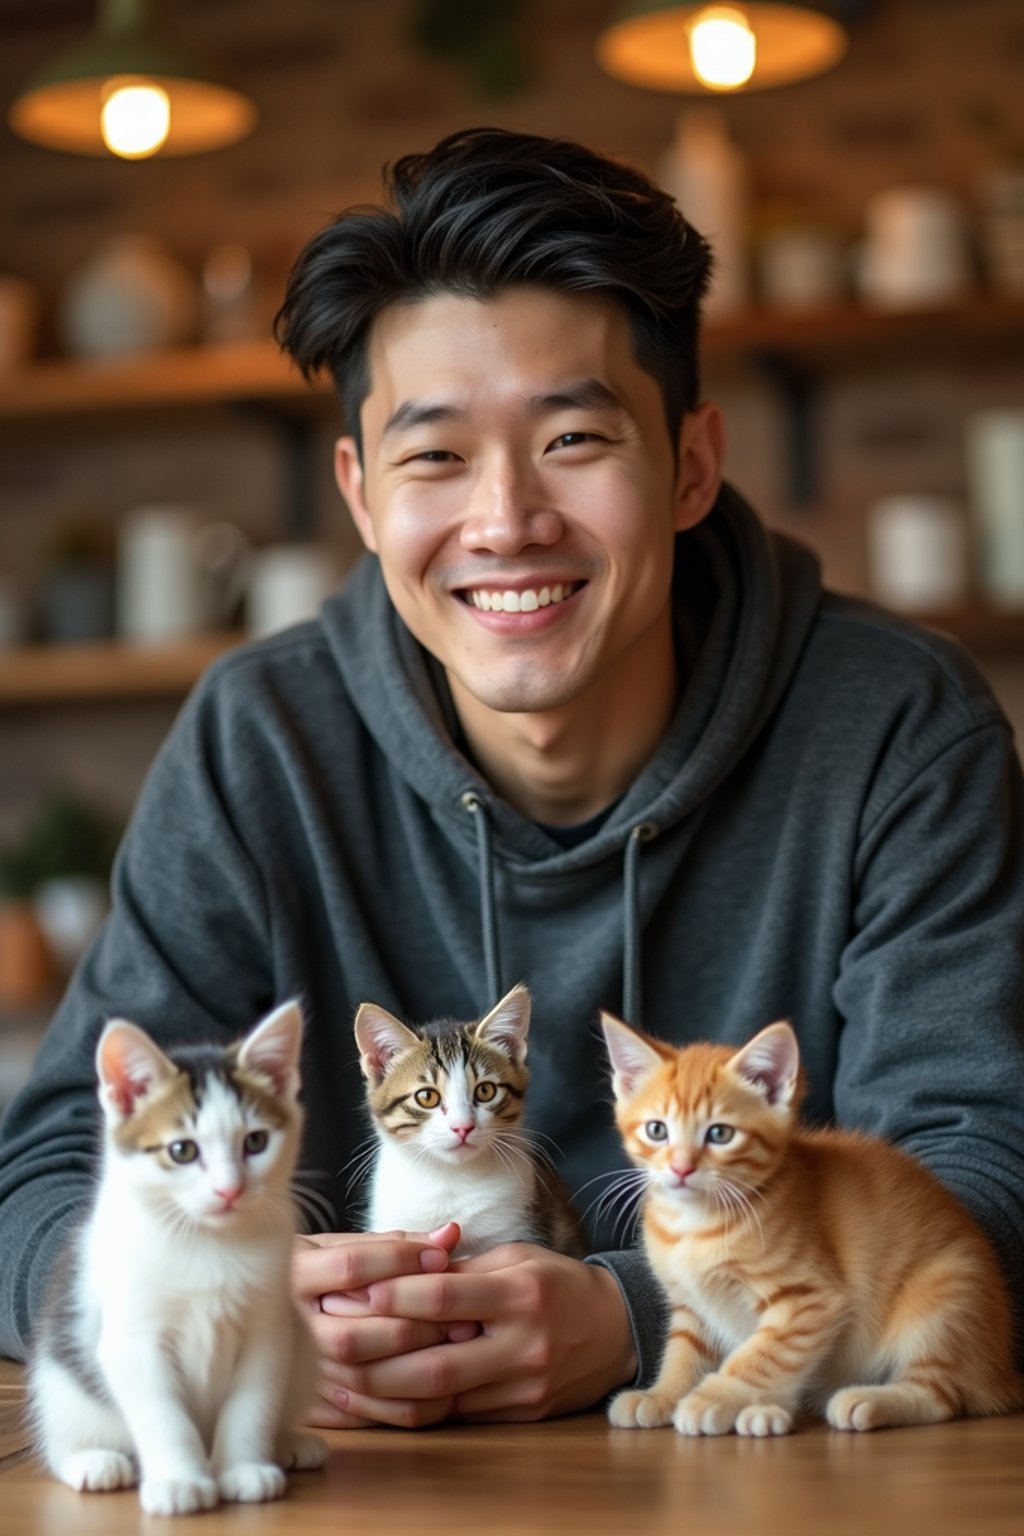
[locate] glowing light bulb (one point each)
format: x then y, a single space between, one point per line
723 49
135 120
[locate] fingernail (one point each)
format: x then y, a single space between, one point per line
344 1303
340 1397
432 1260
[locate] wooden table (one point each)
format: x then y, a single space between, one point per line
578 1474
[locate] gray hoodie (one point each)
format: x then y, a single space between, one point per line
831 832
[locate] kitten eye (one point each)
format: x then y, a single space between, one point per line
656 1130
255 1143
427 1098
183 1151
719 1135
484 1092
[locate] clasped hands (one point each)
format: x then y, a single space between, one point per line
407 1336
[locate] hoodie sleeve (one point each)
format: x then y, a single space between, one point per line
645 1306
183 953
931 985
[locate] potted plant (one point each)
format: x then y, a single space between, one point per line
60 870
26 966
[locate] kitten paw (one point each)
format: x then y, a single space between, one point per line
859 1408
764 1419
252 1482
705 1413
301 1453
640 1410
98 1471
177 1495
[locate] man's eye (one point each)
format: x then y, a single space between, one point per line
574 439
431 456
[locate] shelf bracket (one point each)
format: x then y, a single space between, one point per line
295 433
798 389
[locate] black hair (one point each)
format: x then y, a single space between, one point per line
486 209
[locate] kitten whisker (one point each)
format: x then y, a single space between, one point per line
626 1193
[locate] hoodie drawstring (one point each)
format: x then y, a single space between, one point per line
488 906
632 1005
631 987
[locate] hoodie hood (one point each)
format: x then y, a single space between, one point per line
744 598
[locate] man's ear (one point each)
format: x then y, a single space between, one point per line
348 473
701 454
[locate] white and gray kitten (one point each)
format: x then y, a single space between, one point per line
170 1352
446 1101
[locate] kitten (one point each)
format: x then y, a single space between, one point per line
446 1101
817 1268
169 1348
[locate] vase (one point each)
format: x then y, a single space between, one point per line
131 296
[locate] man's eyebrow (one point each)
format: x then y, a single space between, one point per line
586 395
419 413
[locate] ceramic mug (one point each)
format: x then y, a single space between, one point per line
995 487
917 549
916 252
177 575
287 583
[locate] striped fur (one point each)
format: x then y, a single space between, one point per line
446 1100
823 1270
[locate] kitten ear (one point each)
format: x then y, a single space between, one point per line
380 1037
272 1048
771 1064
633 1057
129 1066
508 1024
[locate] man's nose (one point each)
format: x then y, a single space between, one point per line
507 512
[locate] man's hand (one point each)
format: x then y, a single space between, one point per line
330 1276
553 1337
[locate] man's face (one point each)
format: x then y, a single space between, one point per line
521 491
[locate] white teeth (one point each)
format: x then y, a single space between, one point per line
520 602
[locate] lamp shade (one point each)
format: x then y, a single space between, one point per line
649 44
61 105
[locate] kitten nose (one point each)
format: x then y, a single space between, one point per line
462 1131
682 1173
229 1196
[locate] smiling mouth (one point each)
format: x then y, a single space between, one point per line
508 600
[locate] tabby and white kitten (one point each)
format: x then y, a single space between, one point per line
820 1269
170 1351
446 1102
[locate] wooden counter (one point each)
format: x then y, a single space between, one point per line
579 1475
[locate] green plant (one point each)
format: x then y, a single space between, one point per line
485 39
65 838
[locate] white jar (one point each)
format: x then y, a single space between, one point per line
995 484
708 175
131 296
917 552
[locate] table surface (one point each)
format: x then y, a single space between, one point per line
578 1474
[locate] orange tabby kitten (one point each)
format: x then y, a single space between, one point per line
817 1268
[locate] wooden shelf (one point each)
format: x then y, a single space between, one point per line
256 371
253 371
847 335
105 672
112 671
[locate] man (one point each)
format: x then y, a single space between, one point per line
581 722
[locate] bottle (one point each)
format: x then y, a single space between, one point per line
708 175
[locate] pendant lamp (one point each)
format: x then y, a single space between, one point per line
697 48
130 89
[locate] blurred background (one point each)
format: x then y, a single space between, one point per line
166 483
